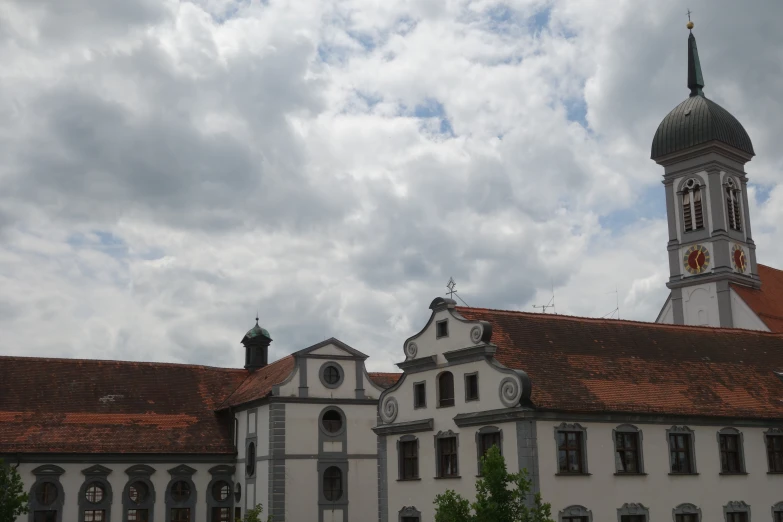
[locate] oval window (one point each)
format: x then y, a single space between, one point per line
180 491
332 421
94 493
251 459
333 483
331 374
137 492
221 490
46 494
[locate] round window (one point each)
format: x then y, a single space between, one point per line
94 493
46 493
137 492
250 467
332 421
180 491
331 374
221 490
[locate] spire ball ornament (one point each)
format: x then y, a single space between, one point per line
689 25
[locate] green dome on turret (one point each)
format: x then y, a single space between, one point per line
256 331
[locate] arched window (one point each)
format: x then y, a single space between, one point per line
95 495
445 389
46 494
333 483
138 498
692 215
181 496
250 465
733 206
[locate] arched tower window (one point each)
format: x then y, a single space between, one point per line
733 206
692 214
445 389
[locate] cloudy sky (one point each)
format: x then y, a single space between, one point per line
168 168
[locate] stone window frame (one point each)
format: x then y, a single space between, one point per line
732 189
340 371
184 473
686 509
777 508
705 202
47 473
424 405
736 506
633 509
248 442
96 474
771 432
337 434
322 466
437 328
139 473
740 449
465 382
409 511
408 438
575 510
629 428
484 430
564 426
438 437
682 430
220 473
437 390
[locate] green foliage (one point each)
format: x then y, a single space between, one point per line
13 499
254 515
500 497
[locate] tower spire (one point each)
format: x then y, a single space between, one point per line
695 79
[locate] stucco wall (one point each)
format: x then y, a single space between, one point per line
700 305
603 492
743 316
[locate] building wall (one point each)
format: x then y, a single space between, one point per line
700 305
603 492
743 316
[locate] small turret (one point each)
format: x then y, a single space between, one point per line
256 342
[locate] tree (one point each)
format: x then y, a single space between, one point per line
254 515
13 499
500 497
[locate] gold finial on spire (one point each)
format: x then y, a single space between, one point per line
689 25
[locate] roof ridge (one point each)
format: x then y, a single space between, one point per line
615 321
222 405
114 361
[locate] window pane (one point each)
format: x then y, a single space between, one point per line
137 492
94 493
180 515
138 515
47 493
180 491
45 516
446 389
332 483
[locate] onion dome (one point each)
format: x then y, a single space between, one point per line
698 120
256 331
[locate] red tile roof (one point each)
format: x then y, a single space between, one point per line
88 406
766 302
259 384
385 380
603 365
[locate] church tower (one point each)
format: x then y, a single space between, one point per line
703 150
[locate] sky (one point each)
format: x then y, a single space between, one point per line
169 169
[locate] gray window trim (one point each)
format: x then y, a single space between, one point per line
408 438
184 473
329 435
686 509
220 473
437 389
564 426
682 430
323 465
741 449
254 441
483 431
445 435
47 473
629 428
633 509
771 432
777 508
339 370
465 382
96 474
575 511
423 406
139 473
437 328
408 511
736 506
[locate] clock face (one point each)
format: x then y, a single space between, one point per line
696 259
738 259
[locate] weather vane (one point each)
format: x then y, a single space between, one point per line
451 285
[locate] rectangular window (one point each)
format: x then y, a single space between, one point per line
626 445
238 514
737 517
447 457
691 517
486 441
410 519
442 328
730 454
633 518
94 515
778 516
680 457
569 452
574 519
180 515
221 514
409 459
45 516
471 387
775 453
138 515
419 395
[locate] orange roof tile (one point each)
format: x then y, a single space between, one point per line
767 301
603 365
259 384
385 380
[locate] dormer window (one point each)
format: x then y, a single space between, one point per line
442 329
692 215
733 206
